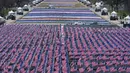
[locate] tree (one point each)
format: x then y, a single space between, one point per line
127 5
114 4
6 4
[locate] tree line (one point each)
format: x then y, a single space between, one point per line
12 3
114 4
120 6
5 5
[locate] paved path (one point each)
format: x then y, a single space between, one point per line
17 17
66 4
107 17
21 16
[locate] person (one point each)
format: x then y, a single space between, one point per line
20 11
126 21
113 16
11 15
104 11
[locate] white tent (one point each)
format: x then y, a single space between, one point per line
37 1
11 12
98 4
0 17
114 13
113 16
2 20
19 9
88 2
34 2
25 7
127 20
105 9
98 7
83 1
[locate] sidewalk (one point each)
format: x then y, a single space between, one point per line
17 17
20 16
107 17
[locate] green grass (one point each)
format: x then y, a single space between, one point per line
4 11
44 5
123 13
78 5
